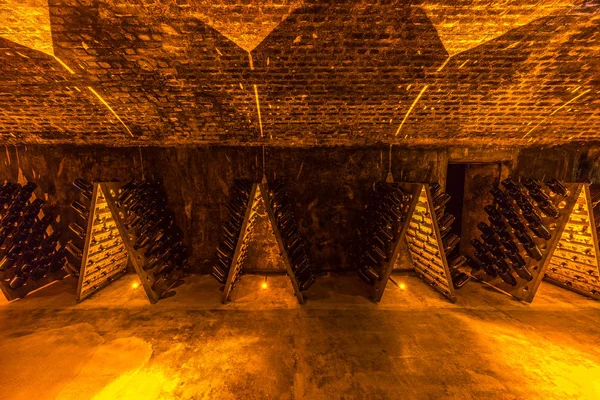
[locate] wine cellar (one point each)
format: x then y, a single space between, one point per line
308 199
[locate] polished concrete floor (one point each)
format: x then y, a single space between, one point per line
262 345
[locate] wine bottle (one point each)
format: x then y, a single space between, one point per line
510 184
473 264
549 209
446 222
450 242
533 251
480 247
78 230
219 275
540 231
82 210
532 184
501 198
74 250
457 262
507 277
485 229
558 187
306 283
434 187
459 279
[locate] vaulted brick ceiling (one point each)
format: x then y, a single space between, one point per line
299 72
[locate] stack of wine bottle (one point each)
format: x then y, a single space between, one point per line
156 233
516 214
240 196
293 241
106 257
379 229
28 250
421 227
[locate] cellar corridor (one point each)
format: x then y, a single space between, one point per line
264 345
299 199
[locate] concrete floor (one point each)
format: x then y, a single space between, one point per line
413 345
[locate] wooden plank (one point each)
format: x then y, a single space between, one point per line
282 250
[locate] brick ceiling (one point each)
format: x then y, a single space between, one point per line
281 72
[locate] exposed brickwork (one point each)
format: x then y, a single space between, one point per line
42 102
343 72
26 23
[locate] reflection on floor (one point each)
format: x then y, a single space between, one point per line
414 345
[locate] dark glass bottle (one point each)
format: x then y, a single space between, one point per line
558 187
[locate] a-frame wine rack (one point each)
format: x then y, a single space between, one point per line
424 242
526 290
574 264
137 257
258 193
105 257
397 246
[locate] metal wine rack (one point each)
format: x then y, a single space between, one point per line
424 242
574 264
525 290
31 284
258 194
105 257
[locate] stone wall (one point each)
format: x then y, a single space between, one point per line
328 185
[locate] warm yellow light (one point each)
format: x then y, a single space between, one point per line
402 286
135 285
264 285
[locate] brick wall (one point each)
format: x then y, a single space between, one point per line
346 72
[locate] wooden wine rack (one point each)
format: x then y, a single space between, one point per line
424 242
105 257
575 262
397 246
526 290
258 194
137 257
31 285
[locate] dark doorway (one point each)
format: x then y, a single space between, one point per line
455 187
